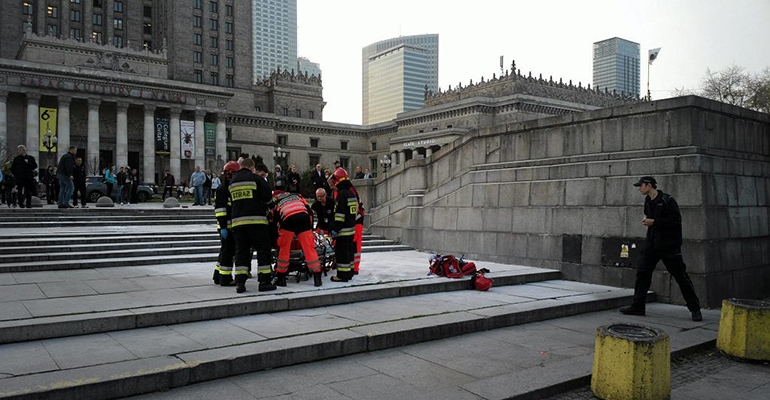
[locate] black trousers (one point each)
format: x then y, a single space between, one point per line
344 249
255 237
169 190
80 187
675 266
27 188
224 269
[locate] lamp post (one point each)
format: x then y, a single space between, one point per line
385 163
278 155
49 142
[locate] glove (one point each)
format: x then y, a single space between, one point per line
223 233
333 233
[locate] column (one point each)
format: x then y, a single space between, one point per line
33 126
64 17
221 147
4 146
63 126
108 26
86 15
41 9
393 159
200 139
148 172
428 152
175 161
401 157
92 150
121 139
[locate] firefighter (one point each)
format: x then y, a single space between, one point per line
223 270
295 218
324 211
358 238
250 195
343 228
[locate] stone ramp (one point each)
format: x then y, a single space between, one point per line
144 360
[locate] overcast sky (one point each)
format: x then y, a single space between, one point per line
552 37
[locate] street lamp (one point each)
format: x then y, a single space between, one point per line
278 155
385 162
49 142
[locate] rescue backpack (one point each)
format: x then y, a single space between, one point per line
450 267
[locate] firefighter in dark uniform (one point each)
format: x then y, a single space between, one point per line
295 218
250 195
223 270
344 226
323 206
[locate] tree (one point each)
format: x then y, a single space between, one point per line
733 85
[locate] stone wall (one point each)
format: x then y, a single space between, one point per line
557 193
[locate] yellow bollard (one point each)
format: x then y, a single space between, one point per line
744 329
631 362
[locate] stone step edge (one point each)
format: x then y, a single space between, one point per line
83 324
36 237
135 377
73 224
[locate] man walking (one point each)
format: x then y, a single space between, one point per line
80 183
664 242
197 179
23 168
66 175
168 185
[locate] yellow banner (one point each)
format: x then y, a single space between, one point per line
47 129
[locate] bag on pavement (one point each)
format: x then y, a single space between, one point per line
480 281
450 267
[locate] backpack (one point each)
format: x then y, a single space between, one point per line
450 267
481 282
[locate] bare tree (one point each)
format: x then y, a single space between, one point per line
759 91
728 86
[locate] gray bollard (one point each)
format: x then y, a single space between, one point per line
105 201
171 202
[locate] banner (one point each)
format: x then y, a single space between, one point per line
47 124
187 132
210 130
162 141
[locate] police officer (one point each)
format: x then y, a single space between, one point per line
223 270
295 219
250 195
343 227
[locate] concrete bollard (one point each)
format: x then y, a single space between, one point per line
35 202
631 362
744 329
104 201
171 202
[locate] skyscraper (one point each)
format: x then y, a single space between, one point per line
305 65
616 66
275 36
416 57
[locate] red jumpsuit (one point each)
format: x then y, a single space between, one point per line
295 218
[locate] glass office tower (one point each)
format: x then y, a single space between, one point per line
275 36
616 66
397 79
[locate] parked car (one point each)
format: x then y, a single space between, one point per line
96 188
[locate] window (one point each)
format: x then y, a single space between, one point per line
215 78
198 76
374 146
373 166
314 159
229 27
148 11
343 144
27 8
229 45
214 41
53 30
229 81
345 163
75 15
97 19
258 109
53 11
285 111
197 39
197 21
75 33
117 41
311 115
97 3
118 6
198 57
197 4
282 140
75 1
230 62
214 59
26 25
96 37
213 6
298 113
147 28
117 24
213 24
314 143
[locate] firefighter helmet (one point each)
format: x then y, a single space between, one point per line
230 168
339 175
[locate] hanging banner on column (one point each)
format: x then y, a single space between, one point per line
47 129
210 130
187 132
162 141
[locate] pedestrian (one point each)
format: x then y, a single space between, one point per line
51 183
197 179
110 180
327 176
120 179
279 178
10 189
323 207
66 177
207 187
223 270
367 174
216 181
250 194
80 183
343 228
664 242
24 168
336 164
359 173
318 178
168 185
295 219
294 179
134 185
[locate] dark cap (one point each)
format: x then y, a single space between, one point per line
646 179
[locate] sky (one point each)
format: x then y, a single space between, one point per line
552 37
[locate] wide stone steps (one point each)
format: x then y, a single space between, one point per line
271 331
107 222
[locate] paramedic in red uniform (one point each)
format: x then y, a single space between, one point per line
295 218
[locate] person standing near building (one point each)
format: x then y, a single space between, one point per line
279 178
65 173
250 195
111 180
120 181
168 185
207 187
318 178
664 242
293 181
23 168
80 183
343 228
197 179
359 173
223 270
324 208
367 174
134 185
294 218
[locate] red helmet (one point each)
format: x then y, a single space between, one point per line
339 175
230 168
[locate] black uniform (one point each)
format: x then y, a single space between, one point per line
324 214
23 168
223 271
344 225
664 242
250 195
79 179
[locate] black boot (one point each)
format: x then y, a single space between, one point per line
240 283
266 286
216 277
280 279
317 279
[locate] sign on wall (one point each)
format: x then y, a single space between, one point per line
187 132
47 128
162 143
210 130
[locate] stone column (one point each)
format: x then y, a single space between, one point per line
121 139
200 139
148 171
428 152
33 126
107 22
5 150
63 126
175 161
64 17
86 15
221 147
42 27
92 150
401 157
393 159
